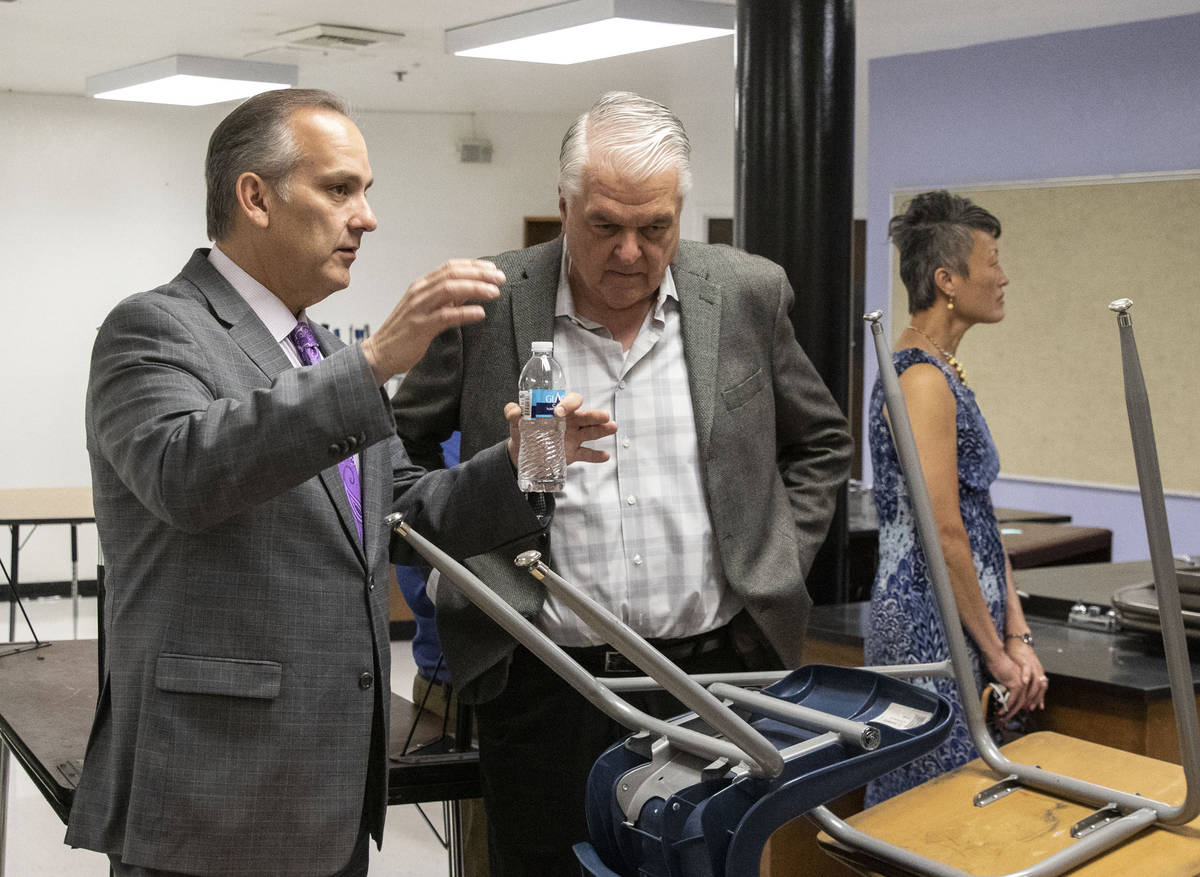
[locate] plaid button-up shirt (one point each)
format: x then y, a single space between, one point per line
634 533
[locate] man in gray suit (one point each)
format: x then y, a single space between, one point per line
700 530
243 462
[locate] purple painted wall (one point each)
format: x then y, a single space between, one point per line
1110 100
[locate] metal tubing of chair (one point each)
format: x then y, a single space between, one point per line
768 677
649 683
1064 860
857 734
1166 585
910 464
649 660
524 632
908 671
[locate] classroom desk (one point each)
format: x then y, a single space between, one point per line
1034 543
1111 688
48 697
1108 688
864 521
939 820
863 541
1009 516
31 506
1049 592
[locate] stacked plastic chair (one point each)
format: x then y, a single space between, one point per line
698 795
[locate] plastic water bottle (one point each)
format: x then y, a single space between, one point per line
542 461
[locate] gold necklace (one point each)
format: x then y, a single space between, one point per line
947 355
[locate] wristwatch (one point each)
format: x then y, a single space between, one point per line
1025 637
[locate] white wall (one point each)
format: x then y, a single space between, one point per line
103 199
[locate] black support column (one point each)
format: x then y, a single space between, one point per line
794 188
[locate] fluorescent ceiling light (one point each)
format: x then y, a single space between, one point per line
191 81
584 30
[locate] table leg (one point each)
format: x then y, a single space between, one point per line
3 801
15 597
14 557
452 814
75 579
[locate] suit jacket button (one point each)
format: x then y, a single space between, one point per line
365 681
352 442
335 450
371 583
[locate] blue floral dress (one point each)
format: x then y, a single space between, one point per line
905 627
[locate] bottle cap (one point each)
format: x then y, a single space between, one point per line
543 346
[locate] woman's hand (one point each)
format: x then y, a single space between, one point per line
1032 673
1018 669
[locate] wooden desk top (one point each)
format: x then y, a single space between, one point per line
939 820
46 505
1008 516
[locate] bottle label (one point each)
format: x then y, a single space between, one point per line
540 402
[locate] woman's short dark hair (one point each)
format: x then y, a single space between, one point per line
935 232
257 138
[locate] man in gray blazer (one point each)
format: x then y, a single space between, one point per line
700 530
242 726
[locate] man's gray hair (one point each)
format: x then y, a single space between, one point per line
935 232
628 134
257 138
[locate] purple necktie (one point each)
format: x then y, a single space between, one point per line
310 354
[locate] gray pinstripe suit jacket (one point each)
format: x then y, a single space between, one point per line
248 655
774 444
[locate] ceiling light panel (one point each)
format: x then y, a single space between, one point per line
191 80
584 30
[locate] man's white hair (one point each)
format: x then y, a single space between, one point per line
629 135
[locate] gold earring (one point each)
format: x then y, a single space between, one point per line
950 305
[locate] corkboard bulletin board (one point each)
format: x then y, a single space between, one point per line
1048 378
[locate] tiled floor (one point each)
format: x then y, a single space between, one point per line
34 835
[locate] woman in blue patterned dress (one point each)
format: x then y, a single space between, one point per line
949 262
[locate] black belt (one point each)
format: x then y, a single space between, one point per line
604 660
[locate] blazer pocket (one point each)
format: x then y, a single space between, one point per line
233 677
736 397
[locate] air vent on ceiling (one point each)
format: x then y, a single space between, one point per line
337 36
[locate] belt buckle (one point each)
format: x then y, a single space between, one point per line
615 662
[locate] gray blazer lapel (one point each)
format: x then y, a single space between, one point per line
245 327
533 295
700 317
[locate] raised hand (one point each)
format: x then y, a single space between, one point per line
440 300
